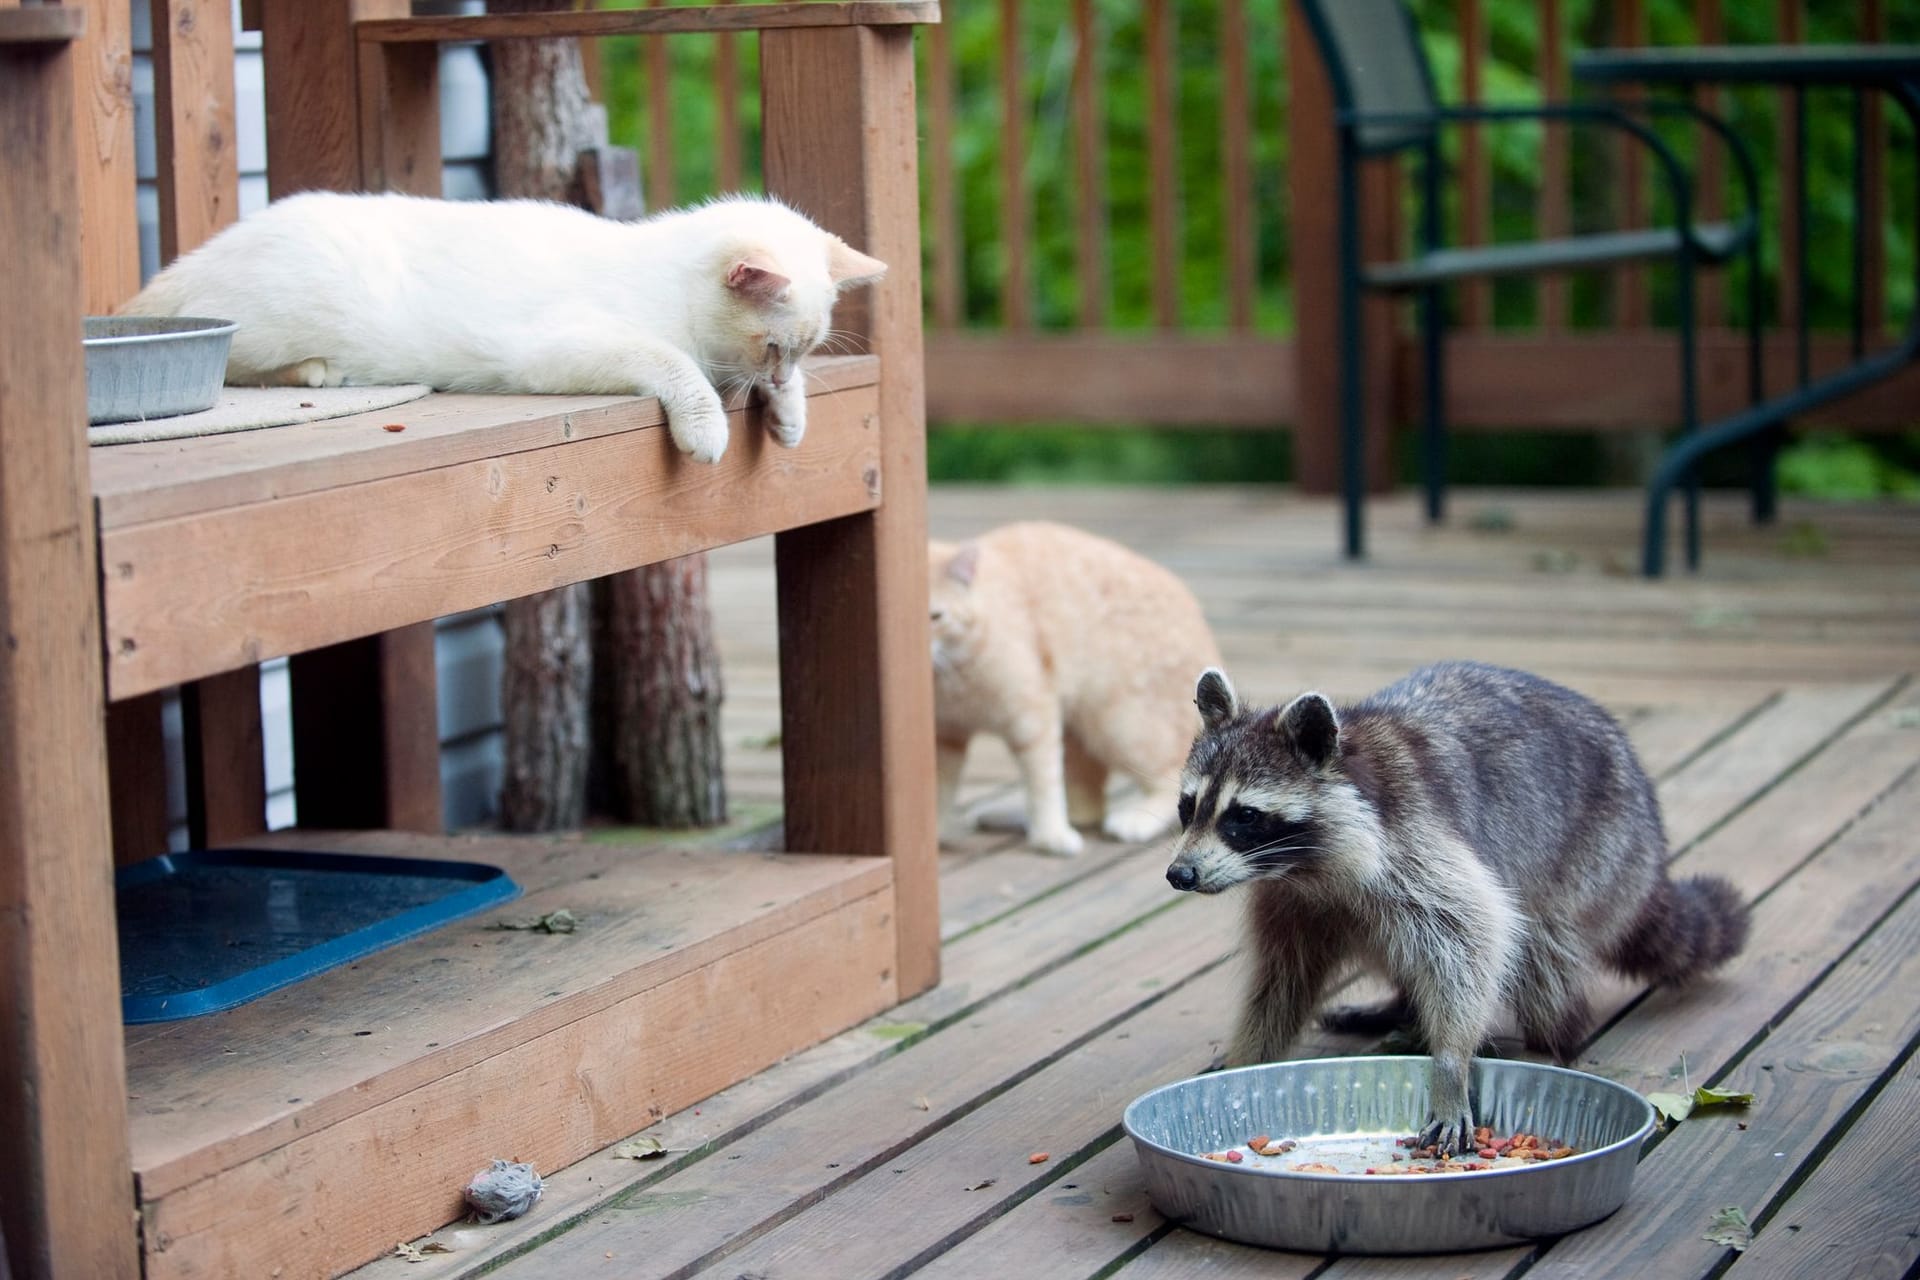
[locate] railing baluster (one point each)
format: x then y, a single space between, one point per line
658 180
1556 216
1476 223
1237 160
1790 29
1163 213
1711 170
948 303
1630 283
726 81
1873 156
1090 197
1015 310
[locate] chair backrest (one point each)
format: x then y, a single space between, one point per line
1372 52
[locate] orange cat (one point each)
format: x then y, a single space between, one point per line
1081 655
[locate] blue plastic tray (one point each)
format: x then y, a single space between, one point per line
209 929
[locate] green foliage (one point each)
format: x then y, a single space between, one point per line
1834 466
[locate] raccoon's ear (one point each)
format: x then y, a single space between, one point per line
1215 697
1310 723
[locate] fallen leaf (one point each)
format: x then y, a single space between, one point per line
419 1252
1730 1228
640 1149
560 921
983 1184
1676 1107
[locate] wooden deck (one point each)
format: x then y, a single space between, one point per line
1772 697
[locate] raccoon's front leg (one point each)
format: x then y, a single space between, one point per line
1292 957
1452 953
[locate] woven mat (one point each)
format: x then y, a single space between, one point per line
250 408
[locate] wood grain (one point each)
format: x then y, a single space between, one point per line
679 1222
138 483
224 746
856 689
54 24
661 1043
193 595
66 1201
650 915
949 299
103 100
619 22
193 89
136 774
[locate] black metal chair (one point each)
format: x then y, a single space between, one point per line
1384 103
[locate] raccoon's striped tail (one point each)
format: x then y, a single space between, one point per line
1685 928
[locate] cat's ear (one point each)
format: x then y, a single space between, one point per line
965 563
754 278
847 266
1215 698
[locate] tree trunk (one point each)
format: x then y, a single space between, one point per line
651 653
542 120
666 695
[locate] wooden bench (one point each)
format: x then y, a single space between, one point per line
313 1128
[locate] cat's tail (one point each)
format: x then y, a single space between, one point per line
165 295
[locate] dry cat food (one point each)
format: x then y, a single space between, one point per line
1490 1152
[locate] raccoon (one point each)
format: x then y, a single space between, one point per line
1477 836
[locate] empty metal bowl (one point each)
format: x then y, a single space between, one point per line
1350 1102
141 367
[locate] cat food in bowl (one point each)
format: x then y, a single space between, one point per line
1328 1121
141 367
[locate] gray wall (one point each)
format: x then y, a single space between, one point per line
467 645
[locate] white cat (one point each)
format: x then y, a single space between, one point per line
525 296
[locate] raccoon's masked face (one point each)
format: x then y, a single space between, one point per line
1249 793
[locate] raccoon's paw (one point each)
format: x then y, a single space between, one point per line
1451 1134
786 412
1135 824
699 430
1064 840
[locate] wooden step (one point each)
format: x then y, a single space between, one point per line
591 23
219 551
306 1132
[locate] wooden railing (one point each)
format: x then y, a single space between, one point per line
1120 221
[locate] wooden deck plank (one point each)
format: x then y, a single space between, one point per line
1807 1074
975 970
1068 1104
195 595
215 1091
1779 730
691 1218
1859 1216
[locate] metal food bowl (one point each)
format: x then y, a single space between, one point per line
1356 1103
141 367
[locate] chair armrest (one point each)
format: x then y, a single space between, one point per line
1614 116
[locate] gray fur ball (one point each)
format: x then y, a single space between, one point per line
504 1191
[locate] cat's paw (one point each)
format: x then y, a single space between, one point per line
1135 824
700 430
1062 840
786 412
